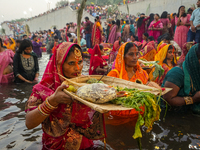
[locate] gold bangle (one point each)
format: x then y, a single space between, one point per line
42 112
49 105
188 100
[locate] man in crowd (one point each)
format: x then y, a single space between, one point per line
37 45
71 36
194 32
88 31
57 32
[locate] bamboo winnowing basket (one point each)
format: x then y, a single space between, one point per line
103 108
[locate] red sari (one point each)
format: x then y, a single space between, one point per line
96 60
96 34
70 126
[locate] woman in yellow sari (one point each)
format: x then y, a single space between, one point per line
167 59
11 44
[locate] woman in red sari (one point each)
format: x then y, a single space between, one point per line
67 124
96 32
97 63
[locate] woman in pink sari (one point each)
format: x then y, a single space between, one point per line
115 32
182 21
6 67
96 32
155 27
141 26
67 124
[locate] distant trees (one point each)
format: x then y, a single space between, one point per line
61 3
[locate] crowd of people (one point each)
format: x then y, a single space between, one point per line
171 40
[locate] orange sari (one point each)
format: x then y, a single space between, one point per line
149 51
121 117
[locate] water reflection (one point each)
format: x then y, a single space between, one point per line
179 131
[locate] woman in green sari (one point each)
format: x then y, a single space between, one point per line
185 82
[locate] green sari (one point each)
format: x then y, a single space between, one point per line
188 78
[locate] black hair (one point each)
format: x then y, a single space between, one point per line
165 60
55 37
184 15
24 35
120 42
158 15
24 44
164 14
100 46
34 36
96 18
49 30
87 18
122 20
69 34
174 14
146 34
166 37
150 19
113 22
19 41
118 23
72 50
132 21
140 20
151 38
128 46
1 42
127 21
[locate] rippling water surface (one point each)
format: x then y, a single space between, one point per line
177 132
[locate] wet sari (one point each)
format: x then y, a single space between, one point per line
6 58
96 60
71 126
121 117
161 56
96 34
149 51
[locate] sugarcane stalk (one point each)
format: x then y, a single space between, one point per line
79 17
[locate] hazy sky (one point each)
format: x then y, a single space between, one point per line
14 9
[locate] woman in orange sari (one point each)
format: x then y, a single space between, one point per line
149 51
96 32
167 60
127 68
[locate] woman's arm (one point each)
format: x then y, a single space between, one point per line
174 100
35 117
98 69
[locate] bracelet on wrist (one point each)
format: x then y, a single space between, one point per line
188 100
45 108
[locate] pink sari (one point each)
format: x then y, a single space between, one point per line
180 36
155 33
6 58
112 35
70 126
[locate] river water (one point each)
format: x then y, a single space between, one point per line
177 132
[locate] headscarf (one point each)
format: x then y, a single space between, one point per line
191 70
162 54
120 67
95 59
149 51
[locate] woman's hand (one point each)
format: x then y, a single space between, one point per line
60 97
153 84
